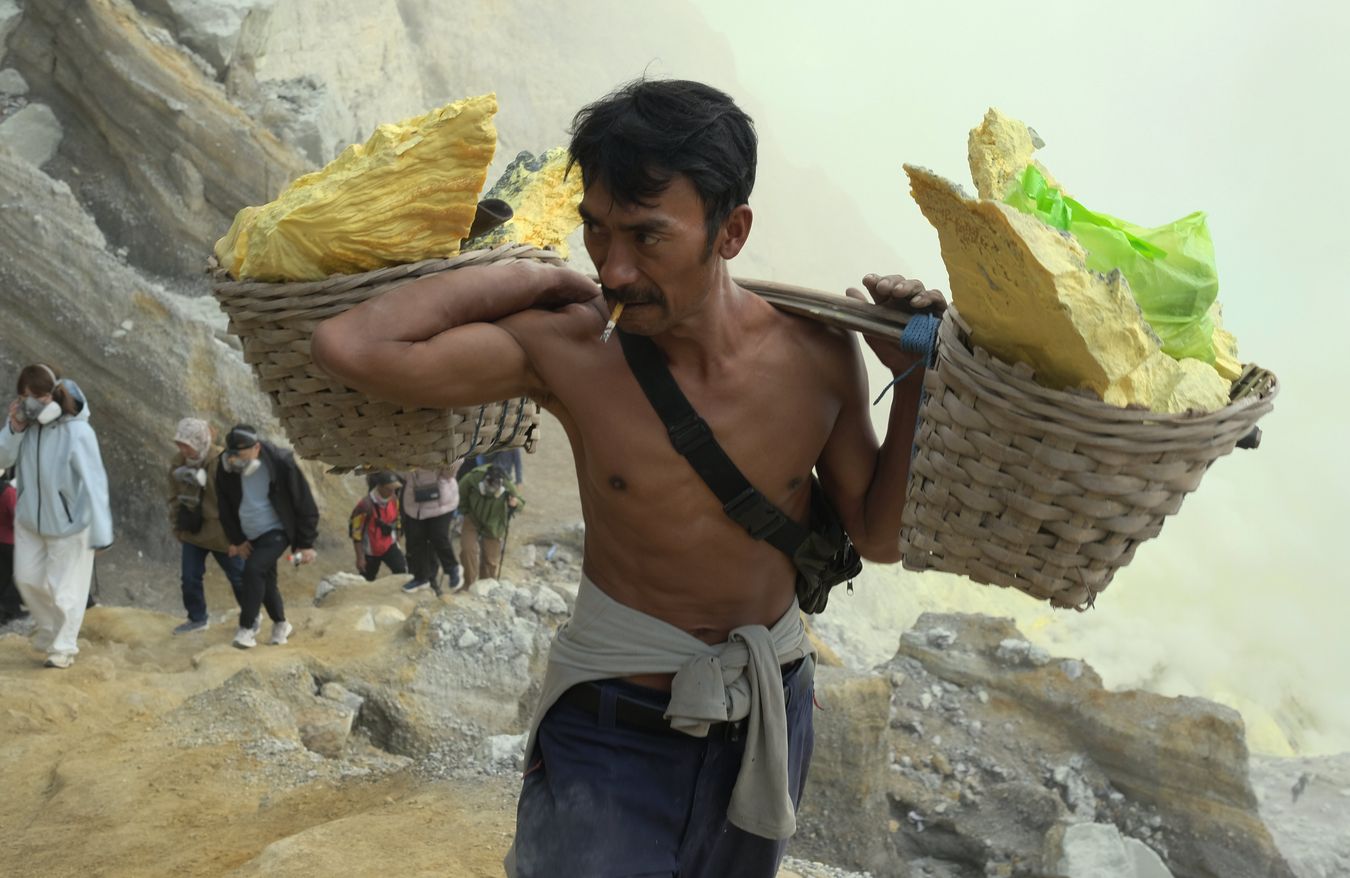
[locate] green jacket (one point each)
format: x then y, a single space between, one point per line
488 513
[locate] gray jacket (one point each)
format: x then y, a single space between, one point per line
63 487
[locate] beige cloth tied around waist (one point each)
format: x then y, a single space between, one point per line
727 682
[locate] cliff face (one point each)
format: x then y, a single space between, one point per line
154 146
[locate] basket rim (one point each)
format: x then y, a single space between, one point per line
1256 387
226 286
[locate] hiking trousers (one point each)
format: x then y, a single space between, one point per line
10 602
53 575
429 546
608 794
480 554
393 559
193 575
258 587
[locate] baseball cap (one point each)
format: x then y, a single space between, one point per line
241 436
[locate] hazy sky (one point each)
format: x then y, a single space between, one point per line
1149 110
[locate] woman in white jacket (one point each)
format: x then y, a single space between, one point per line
63 515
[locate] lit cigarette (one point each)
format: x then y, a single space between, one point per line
613 321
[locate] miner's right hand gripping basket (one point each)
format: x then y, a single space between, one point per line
1047 491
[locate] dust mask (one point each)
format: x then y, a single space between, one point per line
37 411
242 467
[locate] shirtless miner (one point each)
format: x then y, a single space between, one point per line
674 729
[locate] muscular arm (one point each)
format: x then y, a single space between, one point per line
866 480
446 340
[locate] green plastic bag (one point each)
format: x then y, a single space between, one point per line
1170 269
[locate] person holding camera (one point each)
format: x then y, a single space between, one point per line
430 498
63 516
375 524
194 516
265 506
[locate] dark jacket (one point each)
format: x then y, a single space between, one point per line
287 489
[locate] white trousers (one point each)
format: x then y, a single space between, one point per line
53 574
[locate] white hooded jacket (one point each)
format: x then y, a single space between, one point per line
63 487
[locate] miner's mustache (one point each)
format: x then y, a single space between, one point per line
632 296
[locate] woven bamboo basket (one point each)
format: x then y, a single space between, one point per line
1050 492
348 430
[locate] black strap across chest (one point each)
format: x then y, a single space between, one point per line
693 439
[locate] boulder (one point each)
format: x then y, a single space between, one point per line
208 27
12 83
324 726
1170 772
32 133
844 806
1099 850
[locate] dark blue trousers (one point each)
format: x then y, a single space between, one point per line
194 569
604 801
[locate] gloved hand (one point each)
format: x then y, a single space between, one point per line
191 475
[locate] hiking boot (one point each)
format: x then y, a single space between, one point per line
189 626
246 638
457 578
413 585
257 625
60 660
280 631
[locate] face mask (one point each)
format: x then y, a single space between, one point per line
35 409
241 466
485 489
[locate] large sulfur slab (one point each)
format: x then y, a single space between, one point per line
408 193
543 199
1027 294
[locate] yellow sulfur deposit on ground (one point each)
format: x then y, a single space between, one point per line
1026 292
543 198
408 193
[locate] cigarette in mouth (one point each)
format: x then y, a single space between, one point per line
613 321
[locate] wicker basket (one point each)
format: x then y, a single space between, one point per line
341 427
1046 491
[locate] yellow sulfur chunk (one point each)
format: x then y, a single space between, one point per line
1027 294
543 198
1225 347
408 193
999 150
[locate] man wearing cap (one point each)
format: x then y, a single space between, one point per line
487 500
374 527
194 516
265 506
